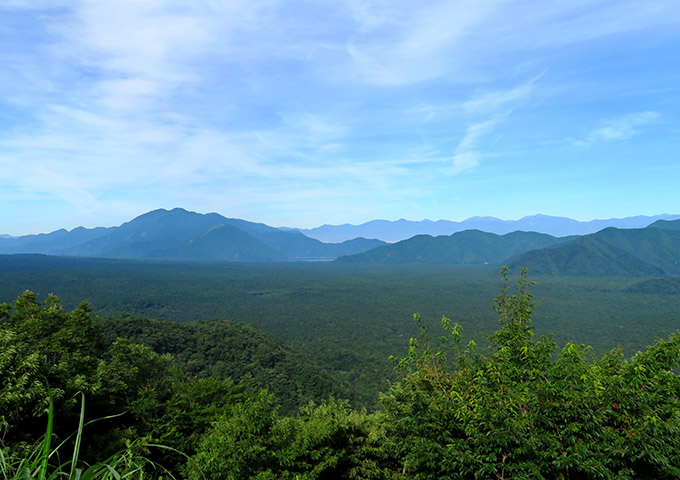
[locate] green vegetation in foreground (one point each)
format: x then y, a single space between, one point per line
522 410
41 461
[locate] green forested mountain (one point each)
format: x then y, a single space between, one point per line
666 224
651 251
147 235
470 247
179 234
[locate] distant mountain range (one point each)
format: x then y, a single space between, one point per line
653 251
394 231
470 247
183 235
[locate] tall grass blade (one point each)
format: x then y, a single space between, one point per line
123 465
79 436
42 473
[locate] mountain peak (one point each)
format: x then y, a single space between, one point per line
182 234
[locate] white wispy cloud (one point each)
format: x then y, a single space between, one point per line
401 43
407 43
494 107
620 129
500 101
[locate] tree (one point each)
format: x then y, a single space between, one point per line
526 411
47 352
50 356
323 442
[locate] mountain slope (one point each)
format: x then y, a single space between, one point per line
49 243
666 225
471 247
222 242
298 246
651 251
148 233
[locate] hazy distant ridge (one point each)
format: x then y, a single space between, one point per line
394 231
182 235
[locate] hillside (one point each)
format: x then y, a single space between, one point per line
182 235
662 286
471 247
653 251
227 349
222 242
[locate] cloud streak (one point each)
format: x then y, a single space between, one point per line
496 107
620 129
418 42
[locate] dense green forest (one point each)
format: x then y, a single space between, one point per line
519 408
347 319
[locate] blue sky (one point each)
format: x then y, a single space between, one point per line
297 113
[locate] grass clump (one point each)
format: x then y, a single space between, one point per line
44 460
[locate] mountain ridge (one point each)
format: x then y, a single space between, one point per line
653 251
402 229
181 234
469 247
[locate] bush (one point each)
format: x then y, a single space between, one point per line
528 411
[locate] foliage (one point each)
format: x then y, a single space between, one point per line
43 461
229 350
664 286
328 441
20 389
42 345
524 412
51 357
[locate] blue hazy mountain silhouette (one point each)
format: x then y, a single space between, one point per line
180 234
394 231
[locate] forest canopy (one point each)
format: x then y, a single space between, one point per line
525 409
